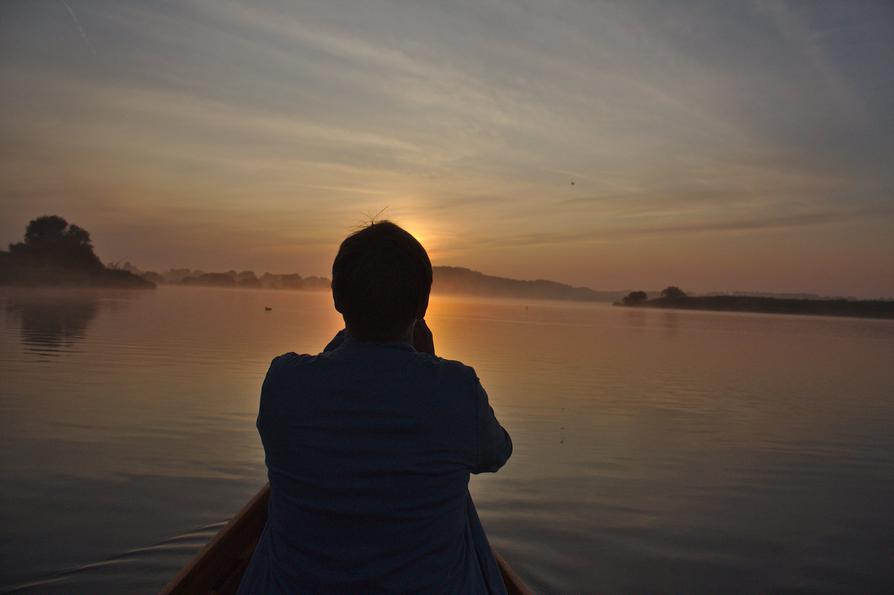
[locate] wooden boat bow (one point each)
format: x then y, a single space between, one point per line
218 567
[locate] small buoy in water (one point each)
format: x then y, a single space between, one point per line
267 308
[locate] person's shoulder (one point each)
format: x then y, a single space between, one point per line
290 361
292 368
449 395
448 370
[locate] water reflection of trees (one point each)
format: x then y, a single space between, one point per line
52 322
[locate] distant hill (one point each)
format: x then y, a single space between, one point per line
447 280
463 281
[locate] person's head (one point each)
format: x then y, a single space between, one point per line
381 279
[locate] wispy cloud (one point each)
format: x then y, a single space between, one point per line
77 24
280 122
681 228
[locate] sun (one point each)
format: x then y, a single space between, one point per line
422 232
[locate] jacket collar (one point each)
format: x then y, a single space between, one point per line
346 340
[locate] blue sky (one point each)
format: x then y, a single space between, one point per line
717 146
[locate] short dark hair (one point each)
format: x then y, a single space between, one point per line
381 280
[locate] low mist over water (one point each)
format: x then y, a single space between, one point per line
655 451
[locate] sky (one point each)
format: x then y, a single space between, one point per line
734 146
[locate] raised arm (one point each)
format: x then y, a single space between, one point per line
494 443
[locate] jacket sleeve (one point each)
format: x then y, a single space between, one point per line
266 415
494 446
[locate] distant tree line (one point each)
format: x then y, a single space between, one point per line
56 252
675 298
231 278
636 298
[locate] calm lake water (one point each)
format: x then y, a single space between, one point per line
655 451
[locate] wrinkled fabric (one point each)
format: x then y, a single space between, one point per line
369 447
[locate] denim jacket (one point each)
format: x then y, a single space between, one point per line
369 447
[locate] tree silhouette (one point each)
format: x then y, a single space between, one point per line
51 241
672 293
635 297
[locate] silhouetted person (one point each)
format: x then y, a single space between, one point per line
369 444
